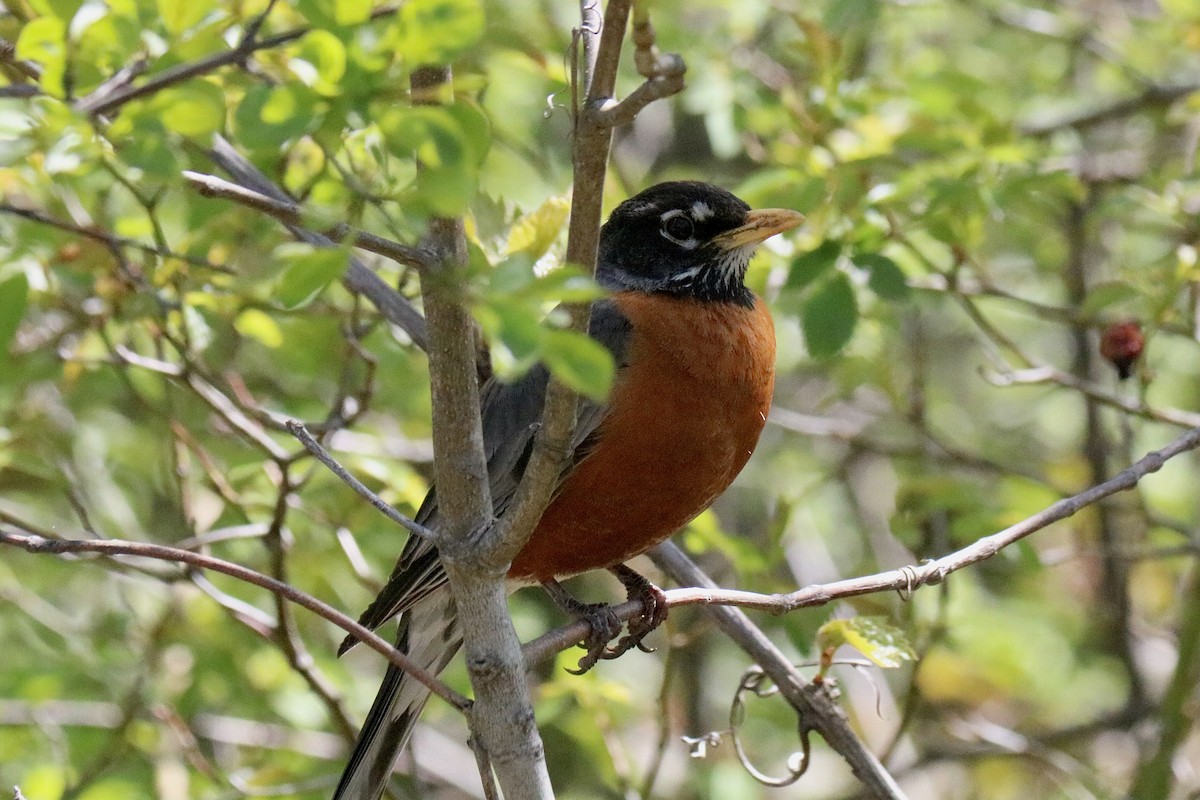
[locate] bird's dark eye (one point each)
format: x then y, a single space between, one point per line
678 227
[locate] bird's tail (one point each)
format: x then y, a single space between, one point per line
430 635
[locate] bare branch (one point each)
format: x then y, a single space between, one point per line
502 717
906 579
1052 375
817 708
117 547
313 446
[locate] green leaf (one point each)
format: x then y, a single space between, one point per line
44 41
515 326
449 142
180 15
309 270
197 108
534 233
14 299
63 9
786 188
884 644
579 361
1103 295
150 150
268 116
327 55
829 316
259 325
885 278
437 31
351 12
851 16
807 267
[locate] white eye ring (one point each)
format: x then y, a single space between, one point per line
678 228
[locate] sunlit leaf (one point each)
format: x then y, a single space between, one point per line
43 41
180 15
447 142
437 31
270 115
196 108
327 55
259 325
533 233
351 12
884 644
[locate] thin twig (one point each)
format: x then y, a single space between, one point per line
1151 97
117 547
113 241
293 214
313 446
905 579
102 102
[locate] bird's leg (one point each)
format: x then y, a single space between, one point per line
654 610
604 623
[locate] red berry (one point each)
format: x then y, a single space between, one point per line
1121 343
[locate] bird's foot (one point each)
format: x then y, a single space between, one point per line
604 623
654 611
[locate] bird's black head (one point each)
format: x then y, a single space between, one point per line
685 238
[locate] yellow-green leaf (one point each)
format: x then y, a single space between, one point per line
259 325
196 108
180 15
436 31
534 233
884 644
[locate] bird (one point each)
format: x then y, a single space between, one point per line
695 355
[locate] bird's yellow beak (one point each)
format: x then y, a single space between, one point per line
760 224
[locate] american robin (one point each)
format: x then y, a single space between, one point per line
695 351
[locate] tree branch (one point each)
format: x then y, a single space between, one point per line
108 98
115 547
502 719
293 214
905 579
358 278
817 708
1154 96
313 446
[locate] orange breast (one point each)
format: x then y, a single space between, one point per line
684 417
